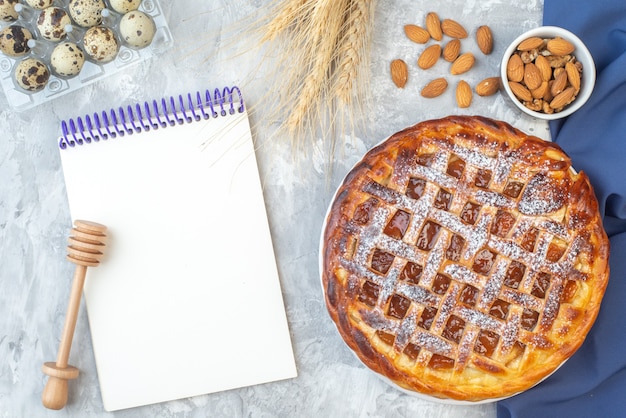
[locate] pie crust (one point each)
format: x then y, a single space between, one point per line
463 259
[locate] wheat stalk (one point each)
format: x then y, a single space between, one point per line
325 24
285 16
352 81
353 44
320 65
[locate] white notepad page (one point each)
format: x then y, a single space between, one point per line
187 300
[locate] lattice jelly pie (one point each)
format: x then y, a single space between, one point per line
463 259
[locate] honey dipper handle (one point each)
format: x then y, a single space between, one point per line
71 316
55 393
85 249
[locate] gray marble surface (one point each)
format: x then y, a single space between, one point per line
35 219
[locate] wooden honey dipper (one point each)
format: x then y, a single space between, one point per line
85 249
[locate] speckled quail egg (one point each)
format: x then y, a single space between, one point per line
39 4
86 13
32 74
67 59
100 44
124 6
137 29
14 40
7 10
52 22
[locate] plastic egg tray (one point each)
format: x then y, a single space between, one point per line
92 71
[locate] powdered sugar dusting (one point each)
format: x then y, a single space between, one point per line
493 199
498 308
462 274
541 196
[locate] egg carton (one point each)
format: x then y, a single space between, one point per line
92 71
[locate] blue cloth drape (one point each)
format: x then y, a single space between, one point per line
593 382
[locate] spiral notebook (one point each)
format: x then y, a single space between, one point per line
187 300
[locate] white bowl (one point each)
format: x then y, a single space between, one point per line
582 55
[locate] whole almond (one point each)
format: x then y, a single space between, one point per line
547 97
399 73
520 91
564 98
451 50
429 56
453 29
462 64
573 76
532 76
544 67
435 88
433 26
484 39
416 34
540 92
463 94
559 46
559 84
515 68
530 43
488 86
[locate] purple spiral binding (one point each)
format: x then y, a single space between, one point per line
157 114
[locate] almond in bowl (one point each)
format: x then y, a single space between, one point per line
548 72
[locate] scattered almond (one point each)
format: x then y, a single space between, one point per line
515 68
563 99
435 88
453 29
463 94
417 34
530 44
484 39
451 50
429 56
433 26
532 76
559 46
520 91
399 73
462 64
488 86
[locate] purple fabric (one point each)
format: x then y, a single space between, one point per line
593 382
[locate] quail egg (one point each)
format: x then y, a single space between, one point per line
39 4
7 10
52 22
100 44
32 74
124 6
14 40
86 13
137 29
67 59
